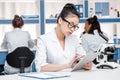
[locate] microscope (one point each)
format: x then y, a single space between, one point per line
105 57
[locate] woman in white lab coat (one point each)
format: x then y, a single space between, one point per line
93 37
14 39
59 49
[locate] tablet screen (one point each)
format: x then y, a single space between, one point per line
89 57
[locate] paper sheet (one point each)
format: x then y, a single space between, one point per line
45 75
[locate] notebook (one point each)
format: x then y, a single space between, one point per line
45 75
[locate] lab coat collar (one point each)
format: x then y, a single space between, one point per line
56 41
17 29
54 37
95 31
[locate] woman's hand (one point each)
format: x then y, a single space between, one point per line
88 66
75 60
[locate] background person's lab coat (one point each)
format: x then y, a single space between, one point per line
17 38
50 51
91 42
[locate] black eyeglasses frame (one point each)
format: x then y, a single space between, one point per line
72 26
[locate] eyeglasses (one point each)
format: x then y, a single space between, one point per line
75 27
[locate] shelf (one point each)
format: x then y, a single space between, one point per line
52 21
27 21
55 20
102 20
109 20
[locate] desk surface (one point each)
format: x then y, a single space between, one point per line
117 46
5 50
95 74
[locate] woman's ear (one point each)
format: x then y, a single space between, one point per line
90 25
60 20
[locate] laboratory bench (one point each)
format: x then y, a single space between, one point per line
94 74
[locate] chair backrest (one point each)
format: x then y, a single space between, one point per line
13 59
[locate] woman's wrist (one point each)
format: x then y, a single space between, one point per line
68 66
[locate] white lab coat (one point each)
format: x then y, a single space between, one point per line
91 42
50 51
17 38
12 40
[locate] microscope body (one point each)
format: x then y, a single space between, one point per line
105 57
106 53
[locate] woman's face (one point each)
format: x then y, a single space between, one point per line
87 26
69 24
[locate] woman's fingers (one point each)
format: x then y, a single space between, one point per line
88 66
76 60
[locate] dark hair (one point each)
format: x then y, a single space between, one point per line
95 25
68 9
17 22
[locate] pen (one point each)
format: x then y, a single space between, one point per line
58 77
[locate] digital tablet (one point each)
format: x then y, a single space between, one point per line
89 57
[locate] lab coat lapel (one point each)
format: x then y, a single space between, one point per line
57 45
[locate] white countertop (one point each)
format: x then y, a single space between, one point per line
117 46
97 74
